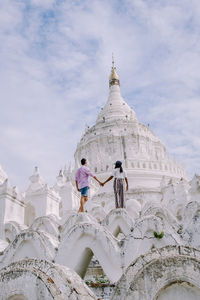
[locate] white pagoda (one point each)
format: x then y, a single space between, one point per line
148 251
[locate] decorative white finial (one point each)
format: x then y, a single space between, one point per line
36 176
60 173
36 170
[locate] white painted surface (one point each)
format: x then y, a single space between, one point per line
42 222
180 292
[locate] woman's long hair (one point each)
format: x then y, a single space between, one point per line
118 164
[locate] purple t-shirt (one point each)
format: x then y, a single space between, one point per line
82 176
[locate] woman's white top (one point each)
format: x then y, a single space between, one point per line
116 173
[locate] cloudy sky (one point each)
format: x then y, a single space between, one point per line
55 59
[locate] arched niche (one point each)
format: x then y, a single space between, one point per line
168 273
83 262
78 246
179 291
40 279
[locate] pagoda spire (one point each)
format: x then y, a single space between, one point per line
113 61
114 78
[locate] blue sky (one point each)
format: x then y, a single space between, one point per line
55 60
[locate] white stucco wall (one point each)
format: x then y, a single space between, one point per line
180 291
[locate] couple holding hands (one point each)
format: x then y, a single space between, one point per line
82 183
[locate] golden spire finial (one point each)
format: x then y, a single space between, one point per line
114 78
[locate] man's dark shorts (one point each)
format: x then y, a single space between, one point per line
84 191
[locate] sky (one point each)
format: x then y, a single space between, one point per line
55 61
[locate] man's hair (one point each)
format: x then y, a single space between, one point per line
83 161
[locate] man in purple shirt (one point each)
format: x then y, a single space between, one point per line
82 182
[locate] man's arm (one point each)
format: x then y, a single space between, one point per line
89 173
77 186
98 180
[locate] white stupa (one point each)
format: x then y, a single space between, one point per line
148 251
118 135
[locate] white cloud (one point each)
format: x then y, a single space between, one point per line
55 59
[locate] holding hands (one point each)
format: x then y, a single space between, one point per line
101 183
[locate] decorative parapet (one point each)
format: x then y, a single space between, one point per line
151 274
41 279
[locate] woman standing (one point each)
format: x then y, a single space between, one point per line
119 177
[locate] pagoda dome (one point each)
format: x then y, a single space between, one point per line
118 135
